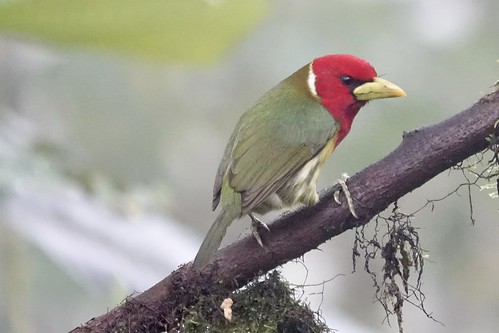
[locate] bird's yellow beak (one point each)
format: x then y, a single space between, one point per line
377 88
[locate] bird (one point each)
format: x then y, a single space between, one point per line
279 145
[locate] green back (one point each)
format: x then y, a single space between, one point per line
285 129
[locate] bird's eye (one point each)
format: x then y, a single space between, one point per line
347 80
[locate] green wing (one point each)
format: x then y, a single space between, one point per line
272 141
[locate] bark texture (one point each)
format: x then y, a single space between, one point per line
422 155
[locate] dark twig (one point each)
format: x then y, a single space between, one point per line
422 155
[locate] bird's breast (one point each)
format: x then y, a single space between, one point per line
301 188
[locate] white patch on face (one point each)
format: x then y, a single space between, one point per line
311 81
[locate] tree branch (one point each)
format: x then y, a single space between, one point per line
422 155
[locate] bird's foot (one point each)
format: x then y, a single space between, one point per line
255 223
343 183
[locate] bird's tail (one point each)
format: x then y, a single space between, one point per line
213 239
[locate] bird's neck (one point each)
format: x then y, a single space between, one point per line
344 116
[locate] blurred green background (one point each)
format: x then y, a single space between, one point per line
114 115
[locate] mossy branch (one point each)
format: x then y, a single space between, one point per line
422 155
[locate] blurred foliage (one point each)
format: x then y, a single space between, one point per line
173 30
88 141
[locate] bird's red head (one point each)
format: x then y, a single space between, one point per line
333 78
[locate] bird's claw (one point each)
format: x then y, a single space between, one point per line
344 188
255 223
